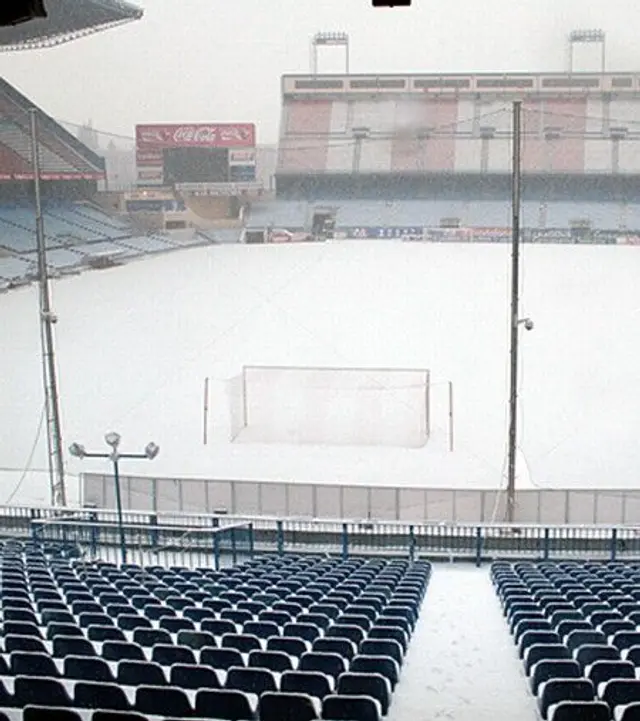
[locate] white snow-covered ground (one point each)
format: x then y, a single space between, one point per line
462 664
135 344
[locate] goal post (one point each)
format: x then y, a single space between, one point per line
325 405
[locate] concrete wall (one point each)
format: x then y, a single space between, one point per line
306 500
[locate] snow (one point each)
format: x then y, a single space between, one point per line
462 664
136 342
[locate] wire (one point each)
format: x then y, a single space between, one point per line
32 453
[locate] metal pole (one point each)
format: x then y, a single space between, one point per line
116 480
451 416
205 412
515 293
54 435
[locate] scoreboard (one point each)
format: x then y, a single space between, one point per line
195 153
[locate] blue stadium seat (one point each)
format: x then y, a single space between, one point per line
250 680
581 711
193 677
350 708
167 701
221 658
39 691
312 683
287 707
557 690
224 704
168 654
138 673
121 651
277 661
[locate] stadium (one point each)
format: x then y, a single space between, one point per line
310 344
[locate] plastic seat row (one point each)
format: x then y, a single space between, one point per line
322 628
579 659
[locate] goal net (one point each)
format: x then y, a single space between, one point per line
332 406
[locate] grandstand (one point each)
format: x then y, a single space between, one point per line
79 233
416 154
68 20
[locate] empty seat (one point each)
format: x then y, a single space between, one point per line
175 625
331 664
261 629
381 647
193 677
72 646
166 701
588 654
553 668
139 673
286 707
148 637
221 658
39 691
218 627
105 633
390 633
366 684
582 638
564 689
273 660
540 651
620 692
625 639
293 646
350 708
631 712
312 683
601 671
27 663
131 621
250 680
24 643
342 646
121 651
167 655
581 711
63 629
196 640
529 638
306 631
384 665
224 704
117 716
47 713
85 668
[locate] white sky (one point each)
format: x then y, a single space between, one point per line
207 60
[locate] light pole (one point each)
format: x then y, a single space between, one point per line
113 439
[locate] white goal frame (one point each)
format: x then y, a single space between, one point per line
242 378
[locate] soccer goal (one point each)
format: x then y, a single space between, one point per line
330 406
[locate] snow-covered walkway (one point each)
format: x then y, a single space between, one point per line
462 663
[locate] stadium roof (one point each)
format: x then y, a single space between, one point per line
68 20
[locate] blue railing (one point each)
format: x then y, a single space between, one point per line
188 539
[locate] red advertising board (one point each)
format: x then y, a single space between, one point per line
195 135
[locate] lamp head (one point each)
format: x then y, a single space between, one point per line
77 450
113 439
151 450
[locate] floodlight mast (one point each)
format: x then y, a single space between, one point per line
329 39
584 37
47 320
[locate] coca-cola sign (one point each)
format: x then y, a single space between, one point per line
203 135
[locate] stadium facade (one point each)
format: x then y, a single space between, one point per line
418 155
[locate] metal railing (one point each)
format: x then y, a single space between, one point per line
209 540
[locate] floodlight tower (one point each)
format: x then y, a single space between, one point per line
583 37
329 39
